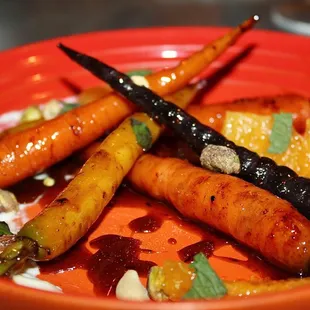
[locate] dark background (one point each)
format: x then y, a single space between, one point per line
26 21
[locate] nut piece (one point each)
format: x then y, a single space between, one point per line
8 201
221 159
52 109
155 283
49 182
140 80
129 287
31 114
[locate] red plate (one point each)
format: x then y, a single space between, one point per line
275 63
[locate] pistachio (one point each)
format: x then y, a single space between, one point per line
8 201
140 80
52 109
49 182
31 114
129 287
156 281
221 159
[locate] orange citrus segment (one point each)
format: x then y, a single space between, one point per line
178 279
253 131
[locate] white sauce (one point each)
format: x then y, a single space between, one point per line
29 279
9 217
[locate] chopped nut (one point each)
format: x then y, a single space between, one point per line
32 113
156 281
221 159
49 182
52 109
8 201
140 80
129 287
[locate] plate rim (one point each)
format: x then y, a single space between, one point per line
270 299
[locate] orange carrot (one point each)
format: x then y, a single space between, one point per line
251 215
25 153
41 146
213 115
168 81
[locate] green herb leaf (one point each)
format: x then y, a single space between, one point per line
139 72
143 134
4 229
66 107
206 284
281 133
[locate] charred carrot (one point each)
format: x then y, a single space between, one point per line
24 154
213 115
222 154
61 224
251 215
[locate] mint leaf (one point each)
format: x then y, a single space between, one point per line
4 229
281 133
66 107
206 283
139 72
143 134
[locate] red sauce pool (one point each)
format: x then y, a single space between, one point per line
187 254
146 224
116 254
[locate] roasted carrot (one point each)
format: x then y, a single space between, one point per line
213 115
178 78
251 215
182 98
164 285
93 93
215 151
61 224
20 127
26 153
249 288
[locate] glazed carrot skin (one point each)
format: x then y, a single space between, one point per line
182 98
213 115
61 224
24 154
250 288
187 69
261 171
251 215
